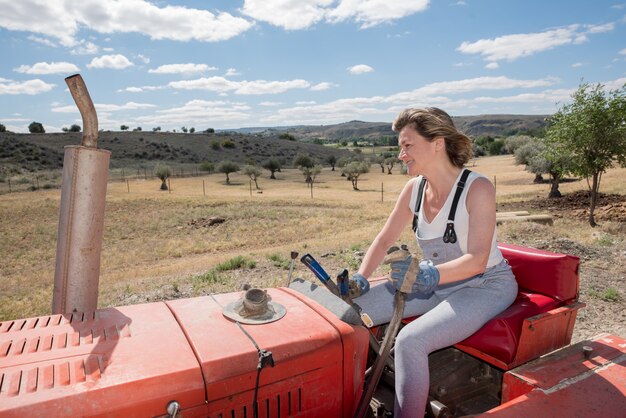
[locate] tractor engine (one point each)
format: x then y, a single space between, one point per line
193 357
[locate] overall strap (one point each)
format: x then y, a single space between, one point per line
450 236
418 203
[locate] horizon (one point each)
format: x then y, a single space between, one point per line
272 64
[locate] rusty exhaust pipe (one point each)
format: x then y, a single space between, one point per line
81 217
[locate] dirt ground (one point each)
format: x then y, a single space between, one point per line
603 262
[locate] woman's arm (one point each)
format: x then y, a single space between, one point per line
397 221
481 206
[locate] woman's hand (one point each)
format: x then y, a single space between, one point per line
409 275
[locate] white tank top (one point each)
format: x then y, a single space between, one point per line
436 228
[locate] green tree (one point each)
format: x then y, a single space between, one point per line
310 173
253 172
192 130
3 128
353 170
184 129
36 128
272 165
74 128
209 131
207 166
526 153
287 136
163 172
591 131
332 161
305 164
123 127
157 129
227 167
390 162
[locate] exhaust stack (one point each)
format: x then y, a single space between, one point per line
81 218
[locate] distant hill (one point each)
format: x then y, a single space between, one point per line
473 126
33 152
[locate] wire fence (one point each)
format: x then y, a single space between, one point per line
54 179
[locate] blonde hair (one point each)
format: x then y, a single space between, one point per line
432 122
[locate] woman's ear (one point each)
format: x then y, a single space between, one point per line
440 143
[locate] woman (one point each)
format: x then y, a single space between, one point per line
465 281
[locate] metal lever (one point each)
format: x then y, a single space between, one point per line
173 408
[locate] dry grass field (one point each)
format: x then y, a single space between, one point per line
158 244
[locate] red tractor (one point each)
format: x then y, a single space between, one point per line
294 351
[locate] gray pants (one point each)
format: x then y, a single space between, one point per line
448 316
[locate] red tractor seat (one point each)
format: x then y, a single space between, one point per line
542 317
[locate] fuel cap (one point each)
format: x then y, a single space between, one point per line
255 307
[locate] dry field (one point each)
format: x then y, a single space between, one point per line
159 245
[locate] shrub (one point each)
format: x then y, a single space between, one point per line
227 143
36 128
236 263
207 166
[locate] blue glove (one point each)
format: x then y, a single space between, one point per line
409 275
358 285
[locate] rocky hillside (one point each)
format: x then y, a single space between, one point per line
32 152
474 126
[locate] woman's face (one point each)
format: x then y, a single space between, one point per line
415 150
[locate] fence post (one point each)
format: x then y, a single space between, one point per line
127 186
203 190
169 185
9 180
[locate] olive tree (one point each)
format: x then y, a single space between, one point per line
332 161
591 133
163 172
253 172
353 170
36 128
305 164
273 165
227 167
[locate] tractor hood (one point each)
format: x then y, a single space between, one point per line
133 361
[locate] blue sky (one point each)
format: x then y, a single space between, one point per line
231 64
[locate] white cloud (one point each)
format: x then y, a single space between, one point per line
231 72
105 107
623 51
117 62
302 14
188 68
198 113
360 69
223 85
30 87
492 66
577 64
482 83
512 47
44 41
141 89
63 19
270 104
47 68
322 86
373 12
85 48
143 59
